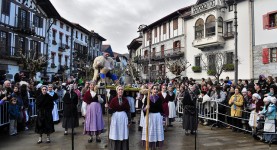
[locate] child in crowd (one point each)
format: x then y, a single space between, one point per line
14 116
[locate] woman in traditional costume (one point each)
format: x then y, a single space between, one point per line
94 123
119 132
155 120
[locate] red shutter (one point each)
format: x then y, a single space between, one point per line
265 56
265 21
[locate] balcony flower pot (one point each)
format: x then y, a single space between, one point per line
228 67
196 69
53 65
54 42
211 72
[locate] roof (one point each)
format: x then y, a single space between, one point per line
135 44
177 13
48 8
94 34
81 28
66 22
107 48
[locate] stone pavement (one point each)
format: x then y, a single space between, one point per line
175 139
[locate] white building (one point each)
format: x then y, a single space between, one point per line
23 27
211 29
163 39
265 41
59 49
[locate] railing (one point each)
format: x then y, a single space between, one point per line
174 52
62 47
25 26
32 111
4 115
206 6
178 51
9 51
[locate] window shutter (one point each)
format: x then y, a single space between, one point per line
17 48
40 22
8 51
265 21
39 49
265 56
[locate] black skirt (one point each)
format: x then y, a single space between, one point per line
44 122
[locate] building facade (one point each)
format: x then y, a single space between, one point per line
163 39
210 31
23 28
265 42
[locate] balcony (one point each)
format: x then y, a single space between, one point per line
8 52
209 42
170 53
229 35
24 26
211 4
62 47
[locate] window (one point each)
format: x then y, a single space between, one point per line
66 39
3 42
162 50
35 49
66 60
164 28
54 34
231 8
76 34
60 59
229 58
176 45
175 24
211 62
145 53
23 19
21 45
270 20
148 35
81 36
199 29
55 22
145 70
153 52
210 25
67 28
220 25
6 7
229 28
61 36
61 25
162 69
197 61
53 57
85 38
153 68
36 21
273 54
155 32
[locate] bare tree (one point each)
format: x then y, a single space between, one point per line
176 66
33 62
216 62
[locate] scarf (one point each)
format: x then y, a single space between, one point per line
51 93
154 98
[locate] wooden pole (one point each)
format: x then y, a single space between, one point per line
147 120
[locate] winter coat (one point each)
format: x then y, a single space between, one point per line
237 105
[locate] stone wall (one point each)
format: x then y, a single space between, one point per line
259 67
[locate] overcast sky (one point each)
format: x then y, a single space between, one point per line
117 20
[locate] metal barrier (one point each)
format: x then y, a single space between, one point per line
60 104
32 107
4 115
208 110
4 110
